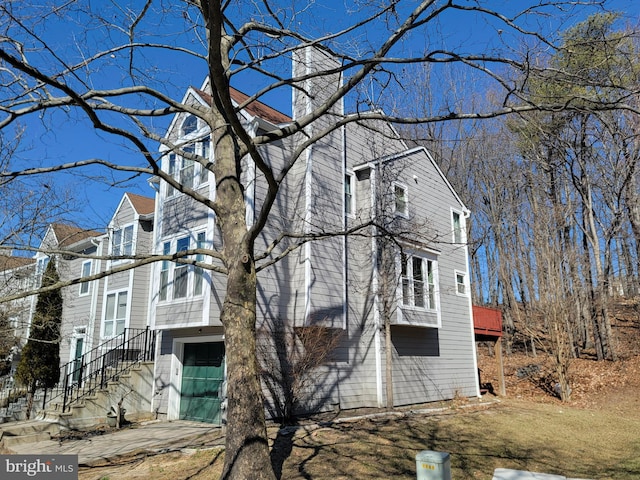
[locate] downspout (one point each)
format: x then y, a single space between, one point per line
345 271
467 214
375 288
93 309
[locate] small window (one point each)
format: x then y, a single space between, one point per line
457 228
171 170
42 265
348 194
164 272
461 284
401 203
181 271
206 153
199 271
86 271
122 241
189 125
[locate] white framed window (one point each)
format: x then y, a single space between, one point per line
349 200
400 199
122 241
457 226
419 278
179 280
461 283
198 272
171 170
181 271
41 265
205 151
115 314
164 272
85 272
187 171
189 125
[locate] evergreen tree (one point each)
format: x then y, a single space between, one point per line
40 360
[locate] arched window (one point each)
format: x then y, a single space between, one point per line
189 125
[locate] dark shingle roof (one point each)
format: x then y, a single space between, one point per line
8 262
68 234
142 205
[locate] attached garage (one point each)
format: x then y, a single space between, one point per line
202 378
197 373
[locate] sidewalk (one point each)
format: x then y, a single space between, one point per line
154 436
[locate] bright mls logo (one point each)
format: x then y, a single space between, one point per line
50 467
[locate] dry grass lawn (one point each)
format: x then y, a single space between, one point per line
520 434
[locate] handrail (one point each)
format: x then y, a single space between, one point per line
82 377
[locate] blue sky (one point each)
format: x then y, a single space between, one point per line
45 143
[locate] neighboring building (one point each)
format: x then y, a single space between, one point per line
16 275
95 311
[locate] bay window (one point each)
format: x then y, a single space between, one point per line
418 282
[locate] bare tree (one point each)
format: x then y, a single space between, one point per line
118 73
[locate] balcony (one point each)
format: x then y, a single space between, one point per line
487 322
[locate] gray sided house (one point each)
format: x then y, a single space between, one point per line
16 276
95 311
407 269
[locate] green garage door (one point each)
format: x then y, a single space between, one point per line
202 377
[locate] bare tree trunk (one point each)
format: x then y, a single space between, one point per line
388 362
247 449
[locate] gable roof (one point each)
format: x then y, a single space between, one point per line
255 108
142 205
67 235
9 262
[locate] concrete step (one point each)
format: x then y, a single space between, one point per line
10 442
27 427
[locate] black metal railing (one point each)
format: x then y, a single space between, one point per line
91 372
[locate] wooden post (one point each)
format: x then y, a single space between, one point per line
501 386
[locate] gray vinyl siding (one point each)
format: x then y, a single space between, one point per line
162 374
181 215
435 363
181 313
141 278
118 281
428 363
76 308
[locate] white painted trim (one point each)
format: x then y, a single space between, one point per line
93 308
74 336
345 270
104 309
465 275
175 382
308 194
88 284
376 294
463 226
404 187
